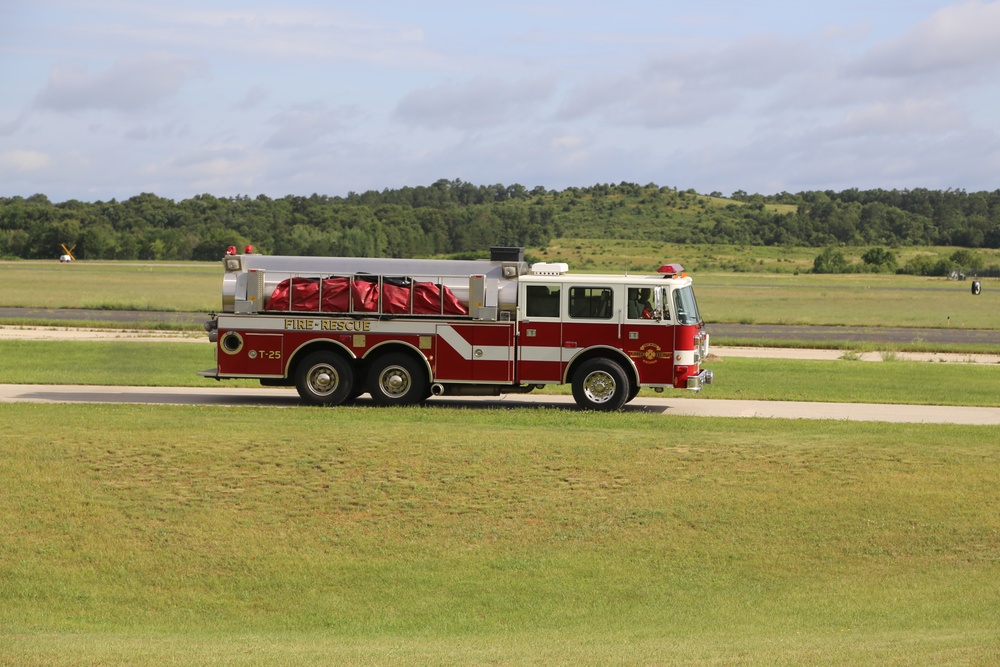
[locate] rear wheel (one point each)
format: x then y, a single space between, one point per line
324 378
601 384
397 379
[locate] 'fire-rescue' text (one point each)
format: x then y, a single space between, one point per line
328 325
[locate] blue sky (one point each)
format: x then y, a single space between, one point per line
111 98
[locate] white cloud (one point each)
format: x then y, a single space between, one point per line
481 103
910 116
690 86
307 125
214 169
20 161
959 37
253 98
10 127
168 131
753 62
283 32
840 155
131 84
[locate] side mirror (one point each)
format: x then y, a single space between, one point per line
658 304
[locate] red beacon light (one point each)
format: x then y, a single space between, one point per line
672 271
248 250
231 250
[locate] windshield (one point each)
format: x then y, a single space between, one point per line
685 307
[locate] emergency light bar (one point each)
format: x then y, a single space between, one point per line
672 270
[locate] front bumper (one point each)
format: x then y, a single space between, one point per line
696 382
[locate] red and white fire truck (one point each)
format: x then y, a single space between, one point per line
404 330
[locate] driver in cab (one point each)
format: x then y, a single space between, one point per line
639 307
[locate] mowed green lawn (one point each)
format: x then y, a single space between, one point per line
848 300
186 287
141 535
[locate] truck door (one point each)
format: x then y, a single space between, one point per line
648 334
539 346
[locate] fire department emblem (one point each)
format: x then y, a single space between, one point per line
649 353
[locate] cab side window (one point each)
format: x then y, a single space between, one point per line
640 307
594 303
541 300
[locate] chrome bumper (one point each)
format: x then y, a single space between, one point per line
696 382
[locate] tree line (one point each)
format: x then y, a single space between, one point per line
882 260
456 217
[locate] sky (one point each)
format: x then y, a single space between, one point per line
103 99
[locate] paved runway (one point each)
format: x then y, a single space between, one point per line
818 333
699 407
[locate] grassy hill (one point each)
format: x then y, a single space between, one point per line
459 217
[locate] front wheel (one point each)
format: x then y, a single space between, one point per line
324 378
601 384
397 379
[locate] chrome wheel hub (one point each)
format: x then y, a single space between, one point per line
599 387
395 381
323 380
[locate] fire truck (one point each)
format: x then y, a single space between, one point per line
403 330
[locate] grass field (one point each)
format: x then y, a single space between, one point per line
766 298
177 364
187 287
617 256
196 536
849 300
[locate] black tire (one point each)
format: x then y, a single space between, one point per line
633 392
324 378
397 379
601 384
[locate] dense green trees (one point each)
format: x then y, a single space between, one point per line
459 217
831 260
879 260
